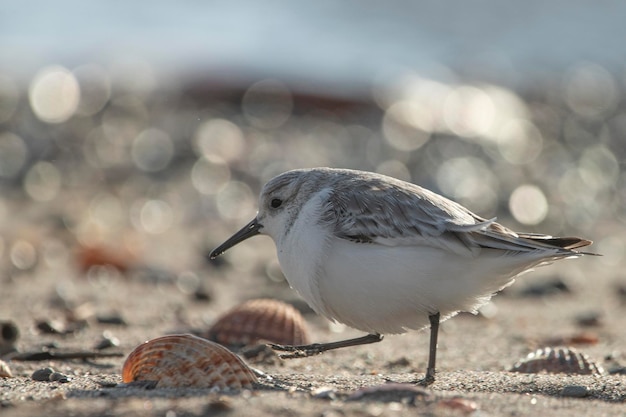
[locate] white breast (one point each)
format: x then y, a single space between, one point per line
302 251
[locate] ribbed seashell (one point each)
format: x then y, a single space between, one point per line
184 360
260 319
556 360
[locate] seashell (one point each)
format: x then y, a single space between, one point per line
260 319
463 405
555 360
186 361
5 371
582 338
89 256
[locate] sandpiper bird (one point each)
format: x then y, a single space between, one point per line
384 256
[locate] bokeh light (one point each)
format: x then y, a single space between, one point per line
208 176
407 126
520 142
267 104
95 89
152 150
152 216
235 201
470 182
394 168
590 91
469 111
42 181
528 204
23 254
221 138
54 94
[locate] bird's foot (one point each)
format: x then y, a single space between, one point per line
429 379
302 351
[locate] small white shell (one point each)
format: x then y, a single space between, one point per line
555 360
187 361
5 371
260 319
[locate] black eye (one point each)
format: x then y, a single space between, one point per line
276 202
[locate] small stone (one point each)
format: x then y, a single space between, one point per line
324 393
219 405
202 294
50 327
617 370
6 404
114 318
9 333
107 341
551 287
575 391
59 377
390 392
589 319
42 374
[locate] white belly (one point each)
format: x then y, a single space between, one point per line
381 289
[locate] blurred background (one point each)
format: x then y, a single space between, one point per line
140 133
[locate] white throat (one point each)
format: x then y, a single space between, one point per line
303 249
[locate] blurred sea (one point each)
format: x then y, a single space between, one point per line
136 124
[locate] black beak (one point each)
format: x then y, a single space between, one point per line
249 230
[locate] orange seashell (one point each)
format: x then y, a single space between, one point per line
260 319
462 405
185 360
564 360
88 256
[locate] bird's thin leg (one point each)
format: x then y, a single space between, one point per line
432 354
302 351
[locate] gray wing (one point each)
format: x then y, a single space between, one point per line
396 214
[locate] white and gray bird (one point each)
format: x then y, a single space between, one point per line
385 256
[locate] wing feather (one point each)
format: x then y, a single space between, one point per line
381 210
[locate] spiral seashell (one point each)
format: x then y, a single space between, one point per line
185 360
260 319
555 360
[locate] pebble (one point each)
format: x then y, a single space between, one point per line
575 391
589 319
219 405
58 377
202 294
50 327
9 333
324 393
395 392
113 318
551 287
107 341
42 374
617 370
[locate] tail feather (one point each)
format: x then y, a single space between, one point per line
569 243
